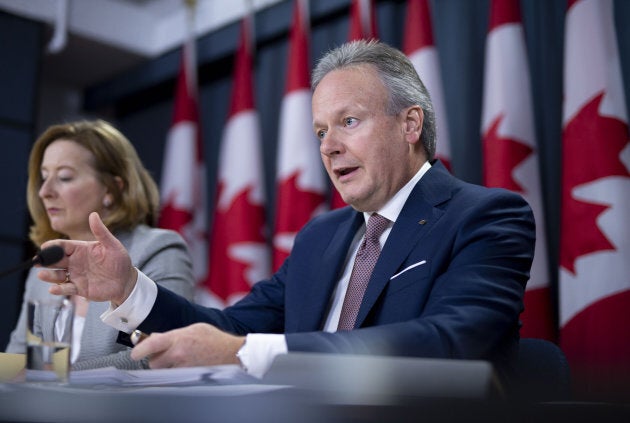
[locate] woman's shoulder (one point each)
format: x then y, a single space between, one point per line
34 287
143 237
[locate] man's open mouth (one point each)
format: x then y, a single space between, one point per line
345 170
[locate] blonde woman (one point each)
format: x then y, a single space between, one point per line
78 168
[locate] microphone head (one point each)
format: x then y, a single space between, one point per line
48 256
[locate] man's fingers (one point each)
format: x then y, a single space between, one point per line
63 289
153 344
60 280
52 275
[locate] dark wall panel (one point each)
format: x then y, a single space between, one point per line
20 52
20 45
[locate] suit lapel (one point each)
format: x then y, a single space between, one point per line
323 283
416 219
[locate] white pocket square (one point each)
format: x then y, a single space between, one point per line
420 263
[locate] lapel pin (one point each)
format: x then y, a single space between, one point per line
422 221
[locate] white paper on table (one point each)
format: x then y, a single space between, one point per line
228 374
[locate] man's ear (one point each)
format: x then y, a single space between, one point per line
413 118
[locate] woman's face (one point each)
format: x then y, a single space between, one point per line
70 188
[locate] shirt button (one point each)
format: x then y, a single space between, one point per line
124 320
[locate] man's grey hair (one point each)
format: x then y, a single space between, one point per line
397 73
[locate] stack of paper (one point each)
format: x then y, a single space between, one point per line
219 375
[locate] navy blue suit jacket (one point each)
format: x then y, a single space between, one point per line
449 281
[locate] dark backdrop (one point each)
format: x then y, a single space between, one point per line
21 42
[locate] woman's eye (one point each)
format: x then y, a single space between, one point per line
65 177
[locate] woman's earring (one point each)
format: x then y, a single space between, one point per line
107 202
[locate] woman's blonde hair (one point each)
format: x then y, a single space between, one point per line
135 201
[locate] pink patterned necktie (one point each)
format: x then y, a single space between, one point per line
364 262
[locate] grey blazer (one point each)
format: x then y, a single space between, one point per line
160 254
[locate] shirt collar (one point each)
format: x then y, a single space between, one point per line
392 208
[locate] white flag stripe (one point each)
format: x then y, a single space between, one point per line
509 74
426 62
602 273
588 76
178 173
298 146
507 95
240 164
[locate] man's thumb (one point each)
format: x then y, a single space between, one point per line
100 231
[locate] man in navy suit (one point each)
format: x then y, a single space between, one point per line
449 280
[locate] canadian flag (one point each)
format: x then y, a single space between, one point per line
509 149
183 189
418 45
594 279
362 20
301 180
239 255
362 26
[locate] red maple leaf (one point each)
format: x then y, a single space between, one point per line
592 145
243 222
295 207
174 218
501 157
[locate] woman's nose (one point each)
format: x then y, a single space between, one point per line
46 190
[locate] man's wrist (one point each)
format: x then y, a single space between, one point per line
129 286
240 354
260 349
127 316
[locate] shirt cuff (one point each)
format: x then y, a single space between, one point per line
128 316
259 350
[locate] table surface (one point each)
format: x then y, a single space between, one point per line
262 402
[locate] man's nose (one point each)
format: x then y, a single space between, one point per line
330 145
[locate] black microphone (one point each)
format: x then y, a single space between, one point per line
45 257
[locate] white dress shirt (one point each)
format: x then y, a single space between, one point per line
259 350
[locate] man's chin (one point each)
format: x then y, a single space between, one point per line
343 193
351 200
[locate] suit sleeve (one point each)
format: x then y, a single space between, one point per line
261 311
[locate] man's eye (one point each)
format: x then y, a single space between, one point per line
320 134
349 121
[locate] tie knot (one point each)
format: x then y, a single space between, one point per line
375 226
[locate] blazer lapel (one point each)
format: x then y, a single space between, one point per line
416 218
94 338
